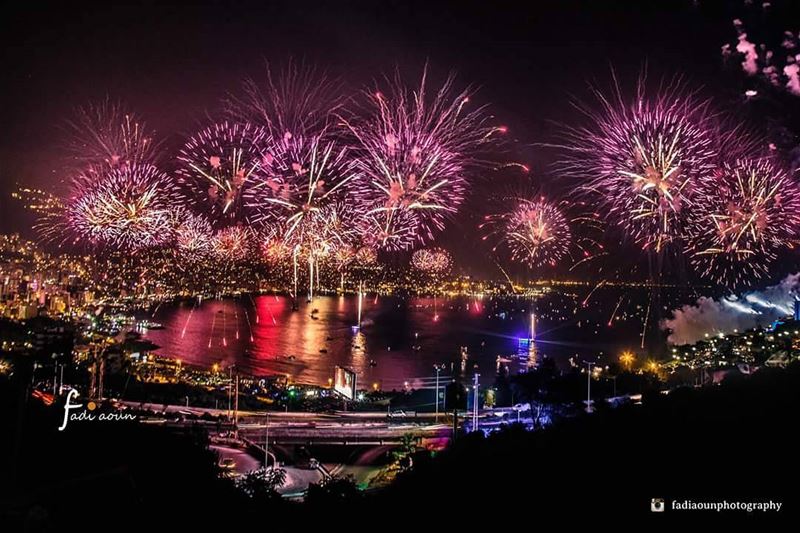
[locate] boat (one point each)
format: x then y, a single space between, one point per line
146 324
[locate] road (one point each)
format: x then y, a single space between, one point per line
339 427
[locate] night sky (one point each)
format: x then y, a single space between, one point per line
173 63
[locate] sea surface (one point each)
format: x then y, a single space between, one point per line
400 339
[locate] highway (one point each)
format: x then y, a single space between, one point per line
339 427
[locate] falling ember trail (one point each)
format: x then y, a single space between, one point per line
211 333
191 311
646 320
255 310
360 297
249 325
272 316
614 313
224 331
586 300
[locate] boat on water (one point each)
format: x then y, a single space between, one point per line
146 324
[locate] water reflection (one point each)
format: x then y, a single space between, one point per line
399 340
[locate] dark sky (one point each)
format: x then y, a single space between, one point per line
173 62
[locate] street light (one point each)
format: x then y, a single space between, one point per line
589 387
438 369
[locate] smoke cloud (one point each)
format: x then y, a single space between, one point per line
691 323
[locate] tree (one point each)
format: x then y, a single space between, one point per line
333 492
262 485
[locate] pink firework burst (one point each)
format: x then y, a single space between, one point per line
232 244
535 232
193 236
218 166
747 215
418 154
127 208
433 261
305 191
106 136
644 161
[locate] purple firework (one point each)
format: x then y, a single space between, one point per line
747 215
304 185
218 165
417 155
127 208
106 136
645 162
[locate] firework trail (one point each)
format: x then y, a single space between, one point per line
218 165
211 331
614 312
249 325
588 296
224 331
129 208
418 154
186 325
749 214
107 136
272 316
505 274
255 309
646 321
236 317
644 161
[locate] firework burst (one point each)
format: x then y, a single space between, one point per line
645 161
232 244
106 135
746 217
298 100
302 191
365 256
417 155
538 232
193 236
432 261
535 232
128 208
218 165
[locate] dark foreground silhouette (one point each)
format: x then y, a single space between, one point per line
735 441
